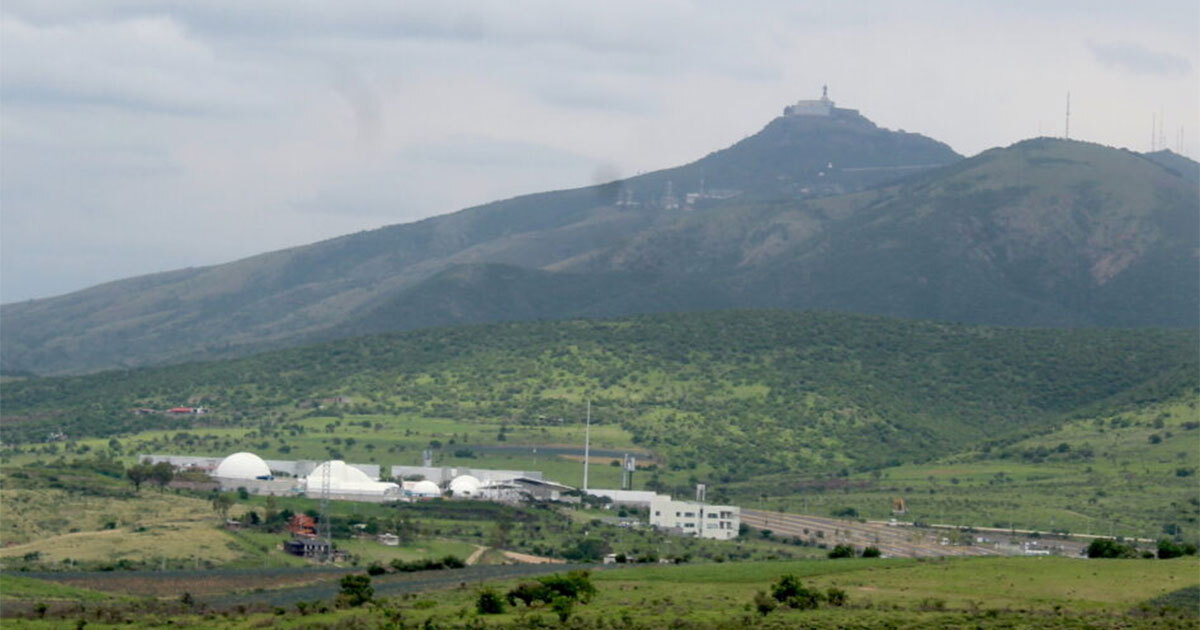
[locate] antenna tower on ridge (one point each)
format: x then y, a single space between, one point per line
1067 130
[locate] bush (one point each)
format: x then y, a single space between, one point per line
871 552
376 569
789 591
842 551
1109 548
356 590
489 602
763 603
562 607
574 586
1168 549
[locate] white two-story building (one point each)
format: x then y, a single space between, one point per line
696 519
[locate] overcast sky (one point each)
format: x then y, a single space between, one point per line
140 136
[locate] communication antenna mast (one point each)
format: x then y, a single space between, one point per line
1067 130
1162 137
628 467
587 445
1153 130
324 532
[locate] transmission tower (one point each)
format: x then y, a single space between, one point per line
323 531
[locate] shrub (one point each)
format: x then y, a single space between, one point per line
1168 549
574 586
356 590
489 602
562 607
376 569
789 591
871 552
763 603
835 596
842 551
1109 548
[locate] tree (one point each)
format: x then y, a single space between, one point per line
138 474
221 504
871 551
498 537
356 590
527 593
161 474
587 550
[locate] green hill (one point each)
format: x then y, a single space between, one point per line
736 393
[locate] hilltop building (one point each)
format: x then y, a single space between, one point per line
822 107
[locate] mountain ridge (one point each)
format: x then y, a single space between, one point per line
687 238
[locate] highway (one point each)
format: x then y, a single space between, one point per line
893 541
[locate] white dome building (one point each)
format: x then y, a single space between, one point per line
425 489
465 486
348 482
243 466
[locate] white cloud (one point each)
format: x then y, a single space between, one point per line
1138 59
142 135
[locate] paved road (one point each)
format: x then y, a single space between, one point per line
898 542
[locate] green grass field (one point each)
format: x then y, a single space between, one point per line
950 593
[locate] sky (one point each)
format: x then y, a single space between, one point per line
144 136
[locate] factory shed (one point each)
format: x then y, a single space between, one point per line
347 483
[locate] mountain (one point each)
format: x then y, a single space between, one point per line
812 212
1043 233
280 298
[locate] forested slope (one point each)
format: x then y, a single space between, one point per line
746 392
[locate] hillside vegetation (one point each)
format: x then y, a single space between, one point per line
738 394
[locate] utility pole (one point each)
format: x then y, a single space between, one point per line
587 445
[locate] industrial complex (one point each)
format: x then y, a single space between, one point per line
341 481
